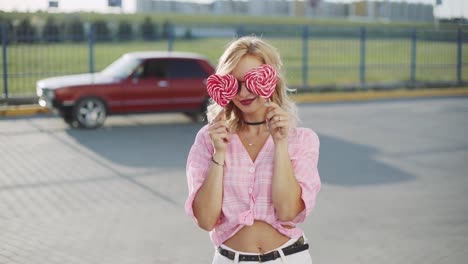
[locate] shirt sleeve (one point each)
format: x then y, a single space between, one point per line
305 164
198 163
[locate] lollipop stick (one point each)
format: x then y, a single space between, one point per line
268 121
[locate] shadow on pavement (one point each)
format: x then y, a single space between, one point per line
167 146
349 164
155 145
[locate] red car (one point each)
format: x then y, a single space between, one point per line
135 83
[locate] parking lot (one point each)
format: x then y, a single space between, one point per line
394 173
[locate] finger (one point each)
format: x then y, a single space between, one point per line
274 117
220 116
219 124
279 124
271 105
270 114
221 136
219 130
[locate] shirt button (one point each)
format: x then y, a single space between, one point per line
250 190
252 169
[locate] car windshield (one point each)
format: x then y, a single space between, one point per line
122 67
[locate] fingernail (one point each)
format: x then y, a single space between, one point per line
267 104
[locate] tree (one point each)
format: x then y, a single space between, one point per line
74 30
125 31
101 30
147 29
9 27
51 31
25 31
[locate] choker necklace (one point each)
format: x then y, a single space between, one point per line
255 123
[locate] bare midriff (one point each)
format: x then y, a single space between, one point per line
257 238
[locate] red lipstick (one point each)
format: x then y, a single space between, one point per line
247 101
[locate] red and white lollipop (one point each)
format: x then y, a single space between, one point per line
222 88
262 80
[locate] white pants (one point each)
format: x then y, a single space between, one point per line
302 257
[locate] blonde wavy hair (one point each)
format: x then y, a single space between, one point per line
268 54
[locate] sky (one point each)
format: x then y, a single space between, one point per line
448 9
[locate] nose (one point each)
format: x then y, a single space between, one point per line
244 91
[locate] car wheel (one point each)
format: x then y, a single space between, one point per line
90 113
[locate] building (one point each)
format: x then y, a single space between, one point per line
385 10
391 11
182 7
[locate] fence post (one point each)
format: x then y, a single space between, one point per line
413 55
362 71
4 58
459 56
305 56
171 37
91 48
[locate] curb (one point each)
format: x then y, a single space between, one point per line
378 95
329 97
22 110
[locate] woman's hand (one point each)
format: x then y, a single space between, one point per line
278 122
219 132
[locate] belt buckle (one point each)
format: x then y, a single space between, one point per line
269 256
260 258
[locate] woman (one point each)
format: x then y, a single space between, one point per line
252 174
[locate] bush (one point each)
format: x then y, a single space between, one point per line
125 31
101 30
188 34
51 31
25 32
74 30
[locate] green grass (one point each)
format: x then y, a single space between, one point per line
331 61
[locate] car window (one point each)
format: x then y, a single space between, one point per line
122 67
155 69
185 69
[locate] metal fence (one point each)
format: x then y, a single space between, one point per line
315 57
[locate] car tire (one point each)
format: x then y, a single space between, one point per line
200 115
204 111
194 116
70 120
90 113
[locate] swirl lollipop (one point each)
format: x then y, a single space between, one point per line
222 88
262 80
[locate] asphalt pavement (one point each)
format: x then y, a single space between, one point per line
394 175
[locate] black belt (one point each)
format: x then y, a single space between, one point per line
298 246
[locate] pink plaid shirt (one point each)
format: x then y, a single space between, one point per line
247 184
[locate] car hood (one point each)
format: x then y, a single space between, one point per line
74 80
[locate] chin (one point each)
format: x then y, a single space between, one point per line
252 108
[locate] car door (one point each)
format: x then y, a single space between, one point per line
149 88
187 80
